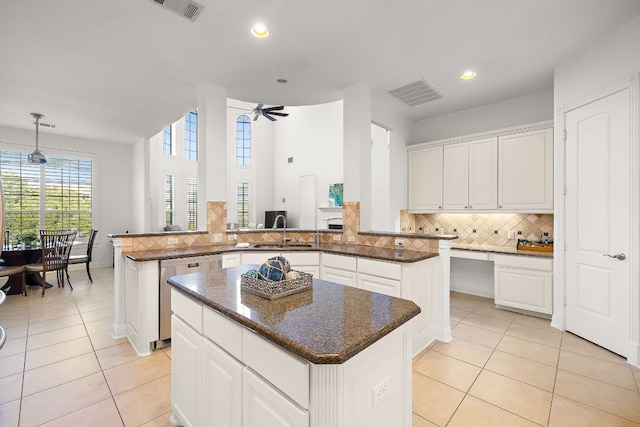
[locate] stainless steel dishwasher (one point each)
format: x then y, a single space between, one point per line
175 267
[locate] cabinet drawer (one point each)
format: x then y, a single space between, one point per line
223 331
457 253
302 258
285 371
338 261
187 309
380 268
257 257
535 263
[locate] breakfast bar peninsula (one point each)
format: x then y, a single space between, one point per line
331 355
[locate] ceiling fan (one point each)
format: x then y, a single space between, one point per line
269 112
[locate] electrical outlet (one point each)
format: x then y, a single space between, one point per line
172 241
399 242
336 237
351 239
233 237
380 391
217 238
426 230
511 235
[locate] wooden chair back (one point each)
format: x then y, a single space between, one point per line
92 238
56 247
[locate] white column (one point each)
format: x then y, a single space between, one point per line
212 148
119 315
357 150
443 325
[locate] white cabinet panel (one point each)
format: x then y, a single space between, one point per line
455 178
380 285
525 171
264 406
425 179
231 260
336 275
186 380
390 270
483 174
221 387
223 331
524 289
257 257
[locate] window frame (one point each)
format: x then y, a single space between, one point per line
192 205
169 199
172 141
245 213
191 145
243 142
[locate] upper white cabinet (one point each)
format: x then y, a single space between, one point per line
525 171
470 175
425 179
507 170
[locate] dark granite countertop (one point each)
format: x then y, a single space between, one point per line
500 250
383 254
412 235
328 324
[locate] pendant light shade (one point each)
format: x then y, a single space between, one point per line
37 157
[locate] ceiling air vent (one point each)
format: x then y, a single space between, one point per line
185 8
416 93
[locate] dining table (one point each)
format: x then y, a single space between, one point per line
22 256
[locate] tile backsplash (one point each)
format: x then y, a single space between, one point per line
482 229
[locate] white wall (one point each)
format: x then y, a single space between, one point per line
312 135
380 179
606 62
401 133
531 108
112 179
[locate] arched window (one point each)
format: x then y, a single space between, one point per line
243 141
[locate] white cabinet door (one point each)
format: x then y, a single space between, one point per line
231 260
425 179
311 269
380 285
525 171
336 275
483 174
186 378
524 289
455 177
264 406
257 257
222 387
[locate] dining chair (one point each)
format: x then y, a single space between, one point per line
56 246
86 259
12 270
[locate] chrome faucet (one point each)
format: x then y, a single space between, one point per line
284 230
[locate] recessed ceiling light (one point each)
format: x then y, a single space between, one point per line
260 31
468 75
282 81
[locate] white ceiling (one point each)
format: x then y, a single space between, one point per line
121 70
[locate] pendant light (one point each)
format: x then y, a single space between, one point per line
37 157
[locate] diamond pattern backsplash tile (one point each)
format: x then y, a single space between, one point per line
483 229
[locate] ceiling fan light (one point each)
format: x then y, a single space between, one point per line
260 31
37 157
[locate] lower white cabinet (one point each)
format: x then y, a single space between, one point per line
222 377
231 260
264 406
186 378
524 283
381 285
339 269
379 276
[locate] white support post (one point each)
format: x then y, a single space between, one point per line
443 325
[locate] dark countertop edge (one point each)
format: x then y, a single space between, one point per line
506 251
411 235
292 346
158 233
347 250
279 230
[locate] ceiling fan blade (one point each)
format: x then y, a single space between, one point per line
280 107
278 114
256 117
259 107
273 119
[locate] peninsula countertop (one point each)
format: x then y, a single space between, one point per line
327 324
383 254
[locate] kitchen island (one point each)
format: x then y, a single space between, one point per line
330 356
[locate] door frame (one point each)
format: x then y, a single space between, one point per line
558 319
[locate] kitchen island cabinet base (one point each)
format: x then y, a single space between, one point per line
371 389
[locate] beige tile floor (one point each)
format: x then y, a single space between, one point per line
508 369
60 367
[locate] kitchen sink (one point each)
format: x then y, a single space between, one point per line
281 246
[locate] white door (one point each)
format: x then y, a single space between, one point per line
598 221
